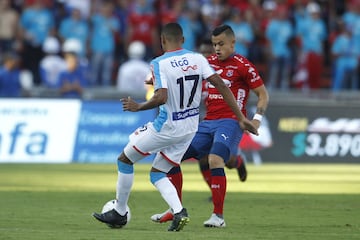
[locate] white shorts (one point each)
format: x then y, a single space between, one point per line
169 149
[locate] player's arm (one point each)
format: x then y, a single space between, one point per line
262 103
229 98
159 98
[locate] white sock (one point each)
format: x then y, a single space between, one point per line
169 194
123 188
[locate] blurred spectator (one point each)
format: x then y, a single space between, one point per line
104 26
206 47
73 80
346 54
169 10
213 13
75 27
243 32
52 64
105 36
10 85
8 25
352 13
132 73
122 14
279 33
312 33
84 6
142 26
352 20
36 24
191 26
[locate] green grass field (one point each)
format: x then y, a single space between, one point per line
39 201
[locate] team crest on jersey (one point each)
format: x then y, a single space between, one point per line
229 73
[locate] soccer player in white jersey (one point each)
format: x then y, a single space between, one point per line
219 134
177 76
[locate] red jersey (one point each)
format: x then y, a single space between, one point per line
142 25
240 75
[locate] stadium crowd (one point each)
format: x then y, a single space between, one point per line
70 44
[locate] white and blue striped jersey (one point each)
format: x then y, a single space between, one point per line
181 72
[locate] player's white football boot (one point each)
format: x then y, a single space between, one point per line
215 221
166 216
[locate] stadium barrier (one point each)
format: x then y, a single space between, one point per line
307 128
303 128
63 131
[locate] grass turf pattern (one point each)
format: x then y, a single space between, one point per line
278 201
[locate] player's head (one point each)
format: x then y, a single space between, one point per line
223 40
171 37
206 48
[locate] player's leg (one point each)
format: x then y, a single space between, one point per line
198 149
164 162
205 170
140 144
226 138
200 145
238 161
218 186
118 216
175 177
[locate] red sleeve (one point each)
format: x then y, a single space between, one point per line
252 76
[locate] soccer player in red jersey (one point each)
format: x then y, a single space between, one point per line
219 134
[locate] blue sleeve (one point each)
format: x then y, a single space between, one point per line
156 71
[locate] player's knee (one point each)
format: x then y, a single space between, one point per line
204 163
123 158
175 170
232 163
220 150
156 176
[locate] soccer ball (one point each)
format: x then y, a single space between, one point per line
111 205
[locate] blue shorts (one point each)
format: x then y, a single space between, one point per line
220 137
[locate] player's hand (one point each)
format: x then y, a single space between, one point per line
256 123
247 125
129 105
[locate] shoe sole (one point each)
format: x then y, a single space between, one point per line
214 226
110 225
184 221
98 217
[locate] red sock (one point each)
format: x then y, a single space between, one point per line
218 189
175 177
206 173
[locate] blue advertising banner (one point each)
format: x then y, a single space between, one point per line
104 129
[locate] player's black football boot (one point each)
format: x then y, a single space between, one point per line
241 169
179 221
112 218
